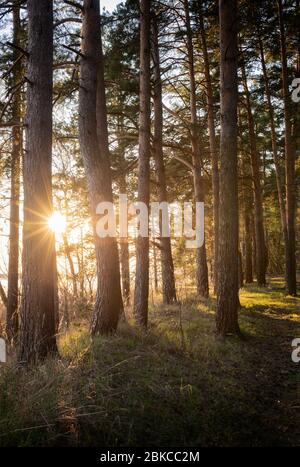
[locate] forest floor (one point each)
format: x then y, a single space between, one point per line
176 385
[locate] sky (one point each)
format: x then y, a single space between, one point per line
109 4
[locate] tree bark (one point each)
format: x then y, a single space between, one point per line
14 223
141 292
212 141
261 256
227 289
94 148
289 163
38 308
202 270
167 266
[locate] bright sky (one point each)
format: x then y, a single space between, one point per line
109 4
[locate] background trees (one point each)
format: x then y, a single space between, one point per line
150 125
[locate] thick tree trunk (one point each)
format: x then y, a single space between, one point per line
168 279
94 149
38 309
261 254
141 291
202 270
212 141
289 164
13 263
227 290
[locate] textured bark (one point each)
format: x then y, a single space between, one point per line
141 291
167 266
95 153
227 289
38 308
202 270
289 164
13 262
212 141
261 253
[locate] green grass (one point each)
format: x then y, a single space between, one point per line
175 385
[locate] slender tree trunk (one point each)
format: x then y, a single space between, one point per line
261 254
247 193
167 266
38 308
248 247
240 270
202 271
227 289
212 141
68 251
94 149
124 253
141 292
71 265
289 164
124 258
279 181
155 267
13 264
3 295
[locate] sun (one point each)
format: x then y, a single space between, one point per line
57 223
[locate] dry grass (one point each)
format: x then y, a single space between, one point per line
175 385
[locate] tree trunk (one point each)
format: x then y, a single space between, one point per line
167 266
289 164
279 181
71 265
94 148
3 295
212 142
248 247
247 196
202 271
13 262
38 308
261 257
227 289
124 250
141 292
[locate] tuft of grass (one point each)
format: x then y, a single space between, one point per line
175 385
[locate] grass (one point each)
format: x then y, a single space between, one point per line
176 385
